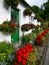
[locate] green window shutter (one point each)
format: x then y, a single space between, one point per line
15 17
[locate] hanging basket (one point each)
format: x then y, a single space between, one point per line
27 27
12 3
27 11
8 27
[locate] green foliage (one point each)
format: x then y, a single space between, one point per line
32 36
43 39
5 50
25 28
46 6
32 58
38 29
35 9
45 25
38 18
27 11
47 17
28 37
14 3
41 14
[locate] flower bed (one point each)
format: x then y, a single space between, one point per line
27 54
41 37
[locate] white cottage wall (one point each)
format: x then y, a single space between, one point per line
23 19
4 15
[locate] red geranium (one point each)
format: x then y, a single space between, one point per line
40 36
22 54
13 24
23 62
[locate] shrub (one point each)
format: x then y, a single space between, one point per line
6 50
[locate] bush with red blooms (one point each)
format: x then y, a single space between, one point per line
40 36
22 54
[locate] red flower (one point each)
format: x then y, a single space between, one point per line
39 37
13 24
24 51
22 54
25 56
19 59
43 33
23 62
46 31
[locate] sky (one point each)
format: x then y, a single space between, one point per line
35 2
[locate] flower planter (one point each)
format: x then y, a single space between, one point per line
8 27
27 11
26 55
27 27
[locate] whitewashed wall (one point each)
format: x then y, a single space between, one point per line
4 15
24 20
